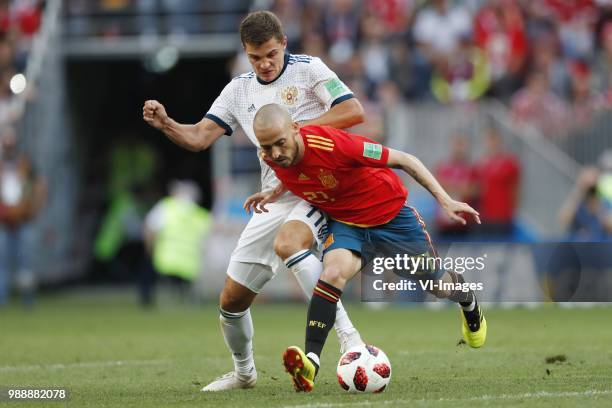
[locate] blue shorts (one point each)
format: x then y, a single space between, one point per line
404 234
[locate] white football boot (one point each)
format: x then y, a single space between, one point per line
232 381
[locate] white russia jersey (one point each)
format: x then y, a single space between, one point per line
305 86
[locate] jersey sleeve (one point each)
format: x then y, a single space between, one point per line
359 151
327 86
221 110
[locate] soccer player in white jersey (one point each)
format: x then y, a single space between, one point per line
313 94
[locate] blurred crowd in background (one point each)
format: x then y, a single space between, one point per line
19 22
22 189
549 60
491 184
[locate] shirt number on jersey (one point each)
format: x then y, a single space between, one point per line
318 197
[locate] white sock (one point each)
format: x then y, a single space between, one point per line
314 358
238 332
307 270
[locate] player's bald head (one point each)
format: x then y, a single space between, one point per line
271 118
276 133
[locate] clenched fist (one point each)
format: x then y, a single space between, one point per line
154 114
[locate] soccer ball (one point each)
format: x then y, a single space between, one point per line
364 368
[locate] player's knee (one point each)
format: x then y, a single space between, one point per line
447 277
293 237
284 249
233 303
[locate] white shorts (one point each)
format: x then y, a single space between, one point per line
256 243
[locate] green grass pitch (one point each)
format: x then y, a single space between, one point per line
109 353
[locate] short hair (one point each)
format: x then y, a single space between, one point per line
259 27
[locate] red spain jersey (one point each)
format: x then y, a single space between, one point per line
345 175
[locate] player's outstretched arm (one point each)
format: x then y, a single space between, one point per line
417 170
191 137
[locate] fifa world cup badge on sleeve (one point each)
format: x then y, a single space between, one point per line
334 87
372 150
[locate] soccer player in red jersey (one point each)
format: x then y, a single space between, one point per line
350 178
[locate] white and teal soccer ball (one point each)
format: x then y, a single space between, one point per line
364 368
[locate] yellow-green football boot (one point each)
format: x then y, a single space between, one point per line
474 327
300 368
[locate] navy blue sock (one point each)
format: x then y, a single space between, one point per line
321 316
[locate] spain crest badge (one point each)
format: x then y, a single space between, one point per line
327 179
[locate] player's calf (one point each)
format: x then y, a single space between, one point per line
464 298
321 317
454 295
339 267
307 268
237 328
